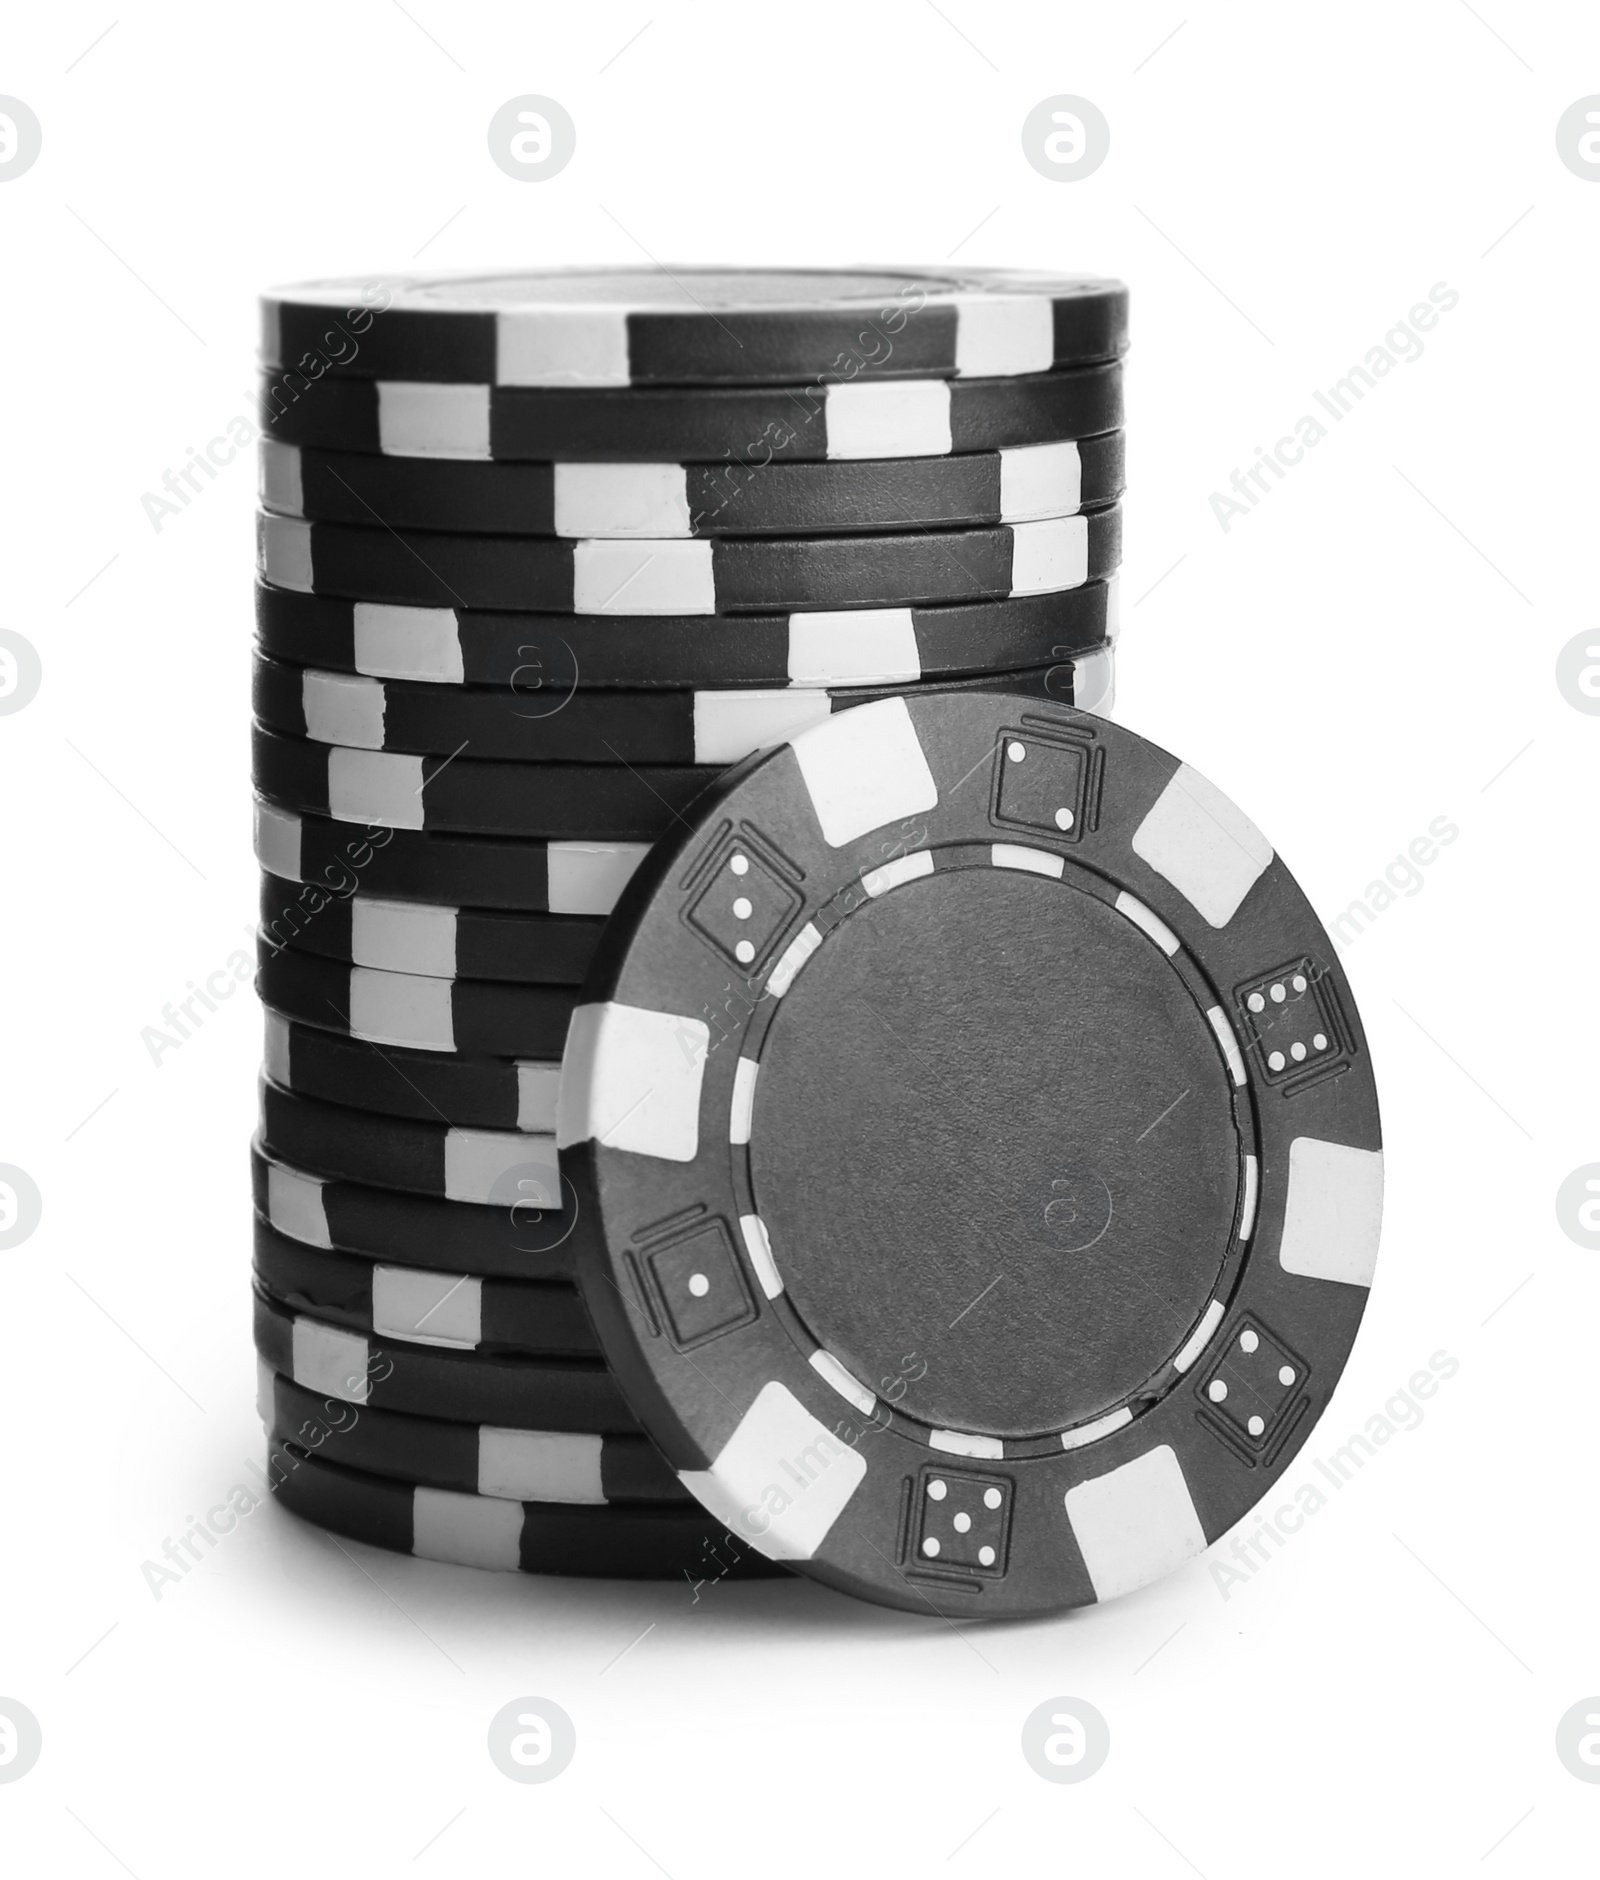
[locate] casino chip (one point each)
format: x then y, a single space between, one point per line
462 1092
1028 484
461 1311
635 1543
692 326
398 936
470 1459
996 1245
544 657
523 1241
508 1391
643 727
730 575
742 425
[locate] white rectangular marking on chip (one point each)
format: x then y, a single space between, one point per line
271 333
865 768
403 1009
540 1465
1229 1043
277 840
731 725
889 418
963 1443
627 577
782 1479
500 1166
836 1377
1333 1212
1149 924
343 708
1048 557
561 346
538 1097
1113 607
403 937
999 338
630 1080
621 499
587 877
877 645
759 1248
1201 1336
266 1393
407 643
1038 480
275 1055
1252 1188
1094 682
433 420
741 1109
294 1206
1087 1433
895 874
791 959
283 552
468 1530
1027 861
280 486
375 787
326 1359
427 1308
1136 1523
1210 851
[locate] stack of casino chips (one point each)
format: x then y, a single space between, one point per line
540 556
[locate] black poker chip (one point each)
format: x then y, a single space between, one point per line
611 726
692 326
544 658
508 1390
725 575
526 1240
401 936
429 1086
631 1542
694 499
489 1017
793 423
984 1156
458 1311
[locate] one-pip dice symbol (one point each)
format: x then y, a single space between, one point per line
1253 1381
963 1520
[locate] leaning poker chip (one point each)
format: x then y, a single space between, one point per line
636 1543
581 877
430 1086
461 1386
1101 1140
564 1466
398 936
459 1311
744 425
492 1018
523 1241
665 500
730 574
495 1168
693 326
554 802
544 658
636 727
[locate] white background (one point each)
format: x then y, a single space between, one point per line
1371 648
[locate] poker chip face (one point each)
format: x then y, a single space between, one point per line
643 326
983 1155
